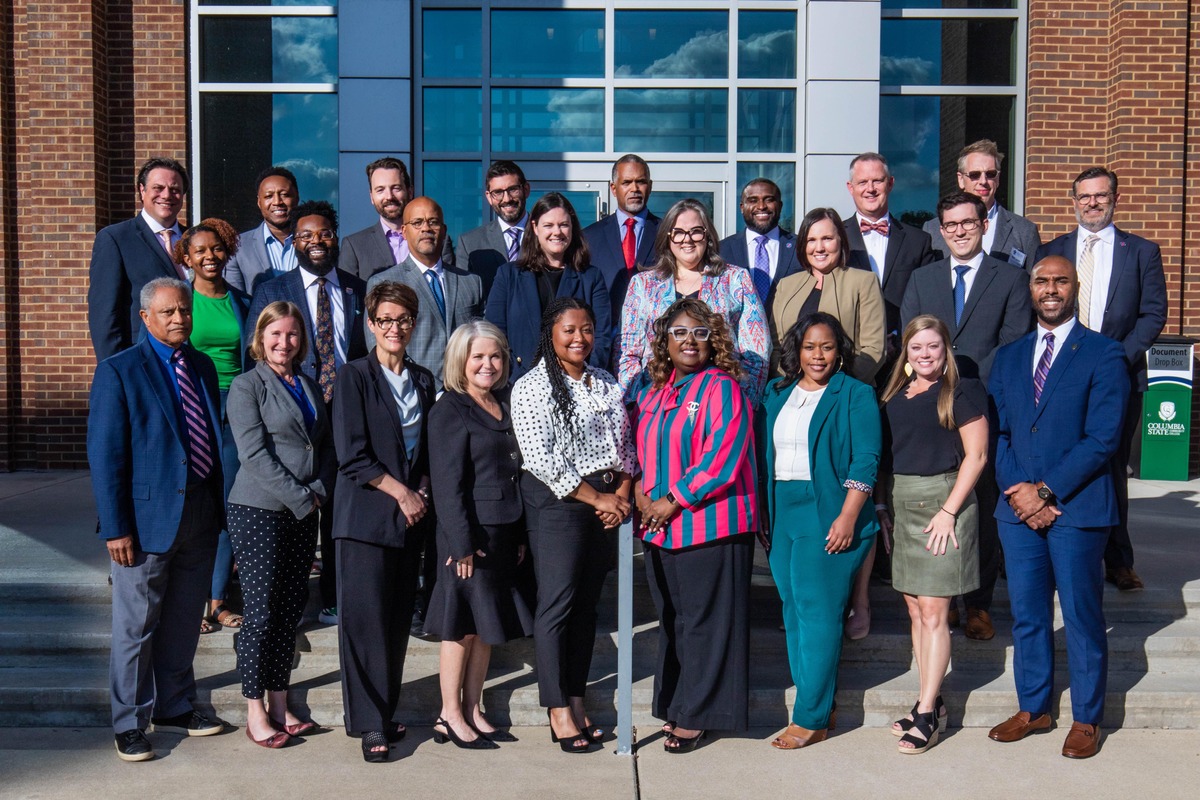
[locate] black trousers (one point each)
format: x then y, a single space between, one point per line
327 583
572 554
274 554
376 586
703 599
1119 552
987 493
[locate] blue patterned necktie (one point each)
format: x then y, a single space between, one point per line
514 243
435 286
762 269
960 291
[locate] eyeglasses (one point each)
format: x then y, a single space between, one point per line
680 333
1099 198
433 223
308 236
967 225
976 174
385 324
511 191
679 235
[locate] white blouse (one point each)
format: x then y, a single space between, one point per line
559 457
408 405
791 435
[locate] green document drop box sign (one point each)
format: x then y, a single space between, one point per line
1167 411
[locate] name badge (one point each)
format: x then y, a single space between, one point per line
1016 257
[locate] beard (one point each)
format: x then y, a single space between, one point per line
324 268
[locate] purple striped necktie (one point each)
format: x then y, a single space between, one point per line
1043 368
514 243
195 419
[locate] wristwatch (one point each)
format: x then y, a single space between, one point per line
1044 493
671 498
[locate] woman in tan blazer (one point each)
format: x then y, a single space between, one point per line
827 284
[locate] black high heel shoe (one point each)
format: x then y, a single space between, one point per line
683 744
496 735
578 743
441 737
371 740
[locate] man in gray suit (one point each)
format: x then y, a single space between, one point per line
483 250
986 304
382 244
449 296
1010 237
266 250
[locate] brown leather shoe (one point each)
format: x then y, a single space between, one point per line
1018 726
1125 578
979 625
1082 742
796 737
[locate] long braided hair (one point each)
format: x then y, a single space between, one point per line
564 406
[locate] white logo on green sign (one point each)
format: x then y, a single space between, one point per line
1166 411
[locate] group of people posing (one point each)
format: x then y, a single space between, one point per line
503 409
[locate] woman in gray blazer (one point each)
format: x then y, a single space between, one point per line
285 447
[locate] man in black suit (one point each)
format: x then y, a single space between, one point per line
483 250
1123 295
266 250
613 253
1010 236
332 302
986 304
380 245
883 244
128 255
764 248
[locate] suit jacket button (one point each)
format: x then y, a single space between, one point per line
1033 429
513 456
308 447
180 491
184 462
518 359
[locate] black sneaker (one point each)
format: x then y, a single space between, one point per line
133 746
193 723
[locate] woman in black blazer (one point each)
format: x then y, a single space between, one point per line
480 529
381 406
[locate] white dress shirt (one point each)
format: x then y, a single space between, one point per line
156 228
335 306
989 236
560 457
876 244
1060 336
969 276
1102 264
791 435
772 246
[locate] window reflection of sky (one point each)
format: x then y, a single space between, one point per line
547 120
305 140
767 44
305 49
548 44
672 44
908 136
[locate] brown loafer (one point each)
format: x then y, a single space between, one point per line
1082 742
1125 579
1018 726
796 737
979 625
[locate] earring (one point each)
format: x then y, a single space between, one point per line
908 369
944 366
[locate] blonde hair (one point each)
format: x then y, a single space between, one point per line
274 312
458 350
900 379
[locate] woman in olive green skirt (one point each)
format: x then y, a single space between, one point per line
938 433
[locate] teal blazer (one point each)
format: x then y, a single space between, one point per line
844 442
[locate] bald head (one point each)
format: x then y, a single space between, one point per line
1059 261
424 230
1053 284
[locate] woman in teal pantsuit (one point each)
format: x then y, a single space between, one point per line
821 432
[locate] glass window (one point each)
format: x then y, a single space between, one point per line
931 52
672 44
268 49
548 44
671 120
584 203
268 2
453 44
766 120
458 188
766 44
453 120
547 120
242 134
784 175
660 201
949 4
921 137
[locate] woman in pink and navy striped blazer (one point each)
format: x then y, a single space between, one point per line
697 497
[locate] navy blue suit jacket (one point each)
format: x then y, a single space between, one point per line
604 241
515 306
136 449
736 253
125 257
1069 438
1136 308
290 286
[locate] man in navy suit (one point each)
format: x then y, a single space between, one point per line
613 253
762 247
332 302
1056 394
481 251
1123 295
266 250
128 255
153 447
883 244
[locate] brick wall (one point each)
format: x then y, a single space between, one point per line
87 82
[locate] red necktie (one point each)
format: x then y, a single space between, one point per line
880 227
629 245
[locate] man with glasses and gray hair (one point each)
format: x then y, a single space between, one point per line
1010 237
1123 295
481 251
